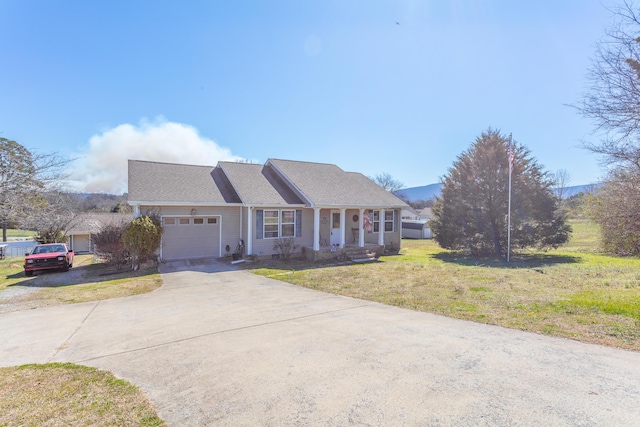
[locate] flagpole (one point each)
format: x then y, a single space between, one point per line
509 208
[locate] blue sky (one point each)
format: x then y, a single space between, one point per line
373 86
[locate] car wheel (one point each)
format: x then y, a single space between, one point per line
28 273
66 267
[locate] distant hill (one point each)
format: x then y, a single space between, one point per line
428 192
577 189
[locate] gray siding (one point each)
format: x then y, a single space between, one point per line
262 247
229 218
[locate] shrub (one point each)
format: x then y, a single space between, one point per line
286 246
109 246
142 238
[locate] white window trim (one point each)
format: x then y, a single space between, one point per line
280 223
383 221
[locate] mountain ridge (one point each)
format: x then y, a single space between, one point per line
429 192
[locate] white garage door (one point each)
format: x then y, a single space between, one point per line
189 237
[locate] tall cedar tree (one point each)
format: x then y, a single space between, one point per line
471 212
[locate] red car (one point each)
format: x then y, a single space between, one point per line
51 256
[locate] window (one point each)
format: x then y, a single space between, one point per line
198 221
169 221
271 225
279 223
183 221
389 221
212 220
288 223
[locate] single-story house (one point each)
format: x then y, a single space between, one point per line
425 213
84 225
209 211
409 213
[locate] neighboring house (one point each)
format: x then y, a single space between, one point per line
409 213
210 211
425 214
86 224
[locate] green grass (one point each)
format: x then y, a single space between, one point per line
11 232
64 394
574 291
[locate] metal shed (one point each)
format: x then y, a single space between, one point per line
415 229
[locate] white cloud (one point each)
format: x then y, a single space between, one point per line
103 166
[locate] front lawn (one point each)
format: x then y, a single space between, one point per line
64 394
573 292
86 281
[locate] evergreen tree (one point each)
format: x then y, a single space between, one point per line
471 212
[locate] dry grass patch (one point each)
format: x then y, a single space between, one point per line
59 394
573 292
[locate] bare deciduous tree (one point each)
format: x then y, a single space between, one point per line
612 99
51 214
24 175
615 207
386 181
561 180
613 102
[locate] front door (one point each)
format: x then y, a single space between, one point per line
335 228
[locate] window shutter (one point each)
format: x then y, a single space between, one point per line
259 223
298 222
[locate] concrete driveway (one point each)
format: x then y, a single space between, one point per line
215 347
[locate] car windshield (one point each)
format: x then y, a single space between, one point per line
48 249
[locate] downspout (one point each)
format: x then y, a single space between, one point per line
249 242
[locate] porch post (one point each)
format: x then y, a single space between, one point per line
381 228
316 229
249 243
342 227
136 211
361 229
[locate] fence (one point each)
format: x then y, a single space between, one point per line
18 249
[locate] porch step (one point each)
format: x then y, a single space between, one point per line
360 255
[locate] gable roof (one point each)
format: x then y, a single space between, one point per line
324 184
259 185
174 183
92 222
277 183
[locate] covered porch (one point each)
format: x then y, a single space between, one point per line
349 232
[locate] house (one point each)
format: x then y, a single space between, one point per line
85 224
425 214
211 211
409 213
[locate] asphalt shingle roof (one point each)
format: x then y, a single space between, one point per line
320 184
170 182
327 185
89 223
259 185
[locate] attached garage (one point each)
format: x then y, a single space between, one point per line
186 237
